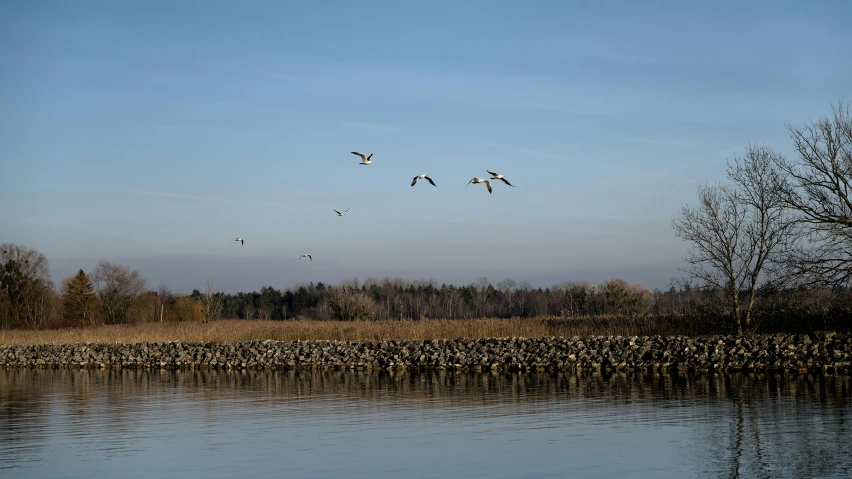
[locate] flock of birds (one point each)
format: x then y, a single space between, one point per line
368 160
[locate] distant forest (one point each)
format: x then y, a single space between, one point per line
399 299
116 294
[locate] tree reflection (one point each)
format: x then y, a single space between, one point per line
743 425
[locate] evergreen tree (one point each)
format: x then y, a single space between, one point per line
79 301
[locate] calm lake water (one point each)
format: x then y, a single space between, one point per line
128 424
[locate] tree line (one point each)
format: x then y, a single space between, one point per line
769 248
117 294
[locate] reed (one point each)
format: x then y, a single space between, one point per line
242 330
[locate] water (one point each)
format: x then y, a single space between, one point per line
127 424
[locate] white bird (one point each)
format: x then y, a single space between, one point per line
420 177
242 241
480 180
341 213
365 160
495 176
308 255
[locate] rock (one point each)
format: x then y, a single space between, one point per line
826 351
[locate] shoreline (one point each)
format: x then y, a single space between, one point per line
825 352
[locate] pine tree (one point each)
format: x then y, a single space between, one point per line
79 301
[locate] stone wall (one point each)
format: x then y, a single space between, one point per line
828 352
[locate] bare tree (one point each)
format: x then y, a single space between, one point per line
737 231
818 190
26 286
166 297
452 301
771 233
507 287
480 293
118 288
714 229
574 298
211 302
40 304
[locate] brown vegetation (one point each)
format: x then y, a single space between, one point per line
241 330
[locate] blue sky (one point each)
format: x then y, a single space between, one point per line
153 133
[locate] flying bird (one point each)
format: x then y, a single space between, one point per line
308 255
365 160
242 241
420 177
341 213
480 180
495 176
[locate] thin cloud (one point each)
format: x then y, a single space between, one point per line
177 195
162 194
94 231
540 106
369 126
660 142
638 173
533 151
489 144
599 48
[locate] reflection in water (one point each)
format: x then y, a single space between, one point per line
136 423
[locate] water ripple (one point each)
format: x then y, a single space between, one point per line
70 423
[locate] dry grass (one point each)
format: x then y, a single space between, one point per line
239 330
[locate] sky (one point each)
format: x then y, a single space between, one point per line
153 133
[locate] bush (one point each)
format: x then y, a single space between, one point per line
186 309
349 304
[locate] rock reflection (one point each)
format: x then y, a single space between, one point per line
742 425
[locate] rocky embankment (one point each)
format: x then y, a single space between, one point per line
826 352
